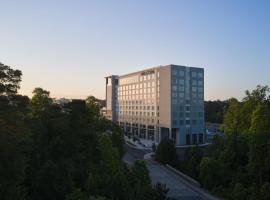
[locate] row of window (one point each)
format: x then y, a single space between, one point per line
187 115
178 99
140 97
138 91
138 107
186 122
137 85
182 88
176 72
181 73
135 102
180 81
140 120
136 113
196 74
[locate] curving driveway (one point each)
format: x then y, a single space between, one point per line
180 189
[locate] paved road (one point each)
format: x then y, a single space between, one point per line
180 189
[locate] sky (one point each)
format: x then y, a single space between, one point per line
67 47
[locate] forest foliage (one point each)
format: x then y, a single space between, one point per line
236 166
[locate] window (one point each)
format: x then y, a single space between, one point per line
188 139
187 108
181 81
181 95
194 89
200 83
194 138
181 114
174 72
200 138
174 88
194 82
200 89
200 75
194 122
193 74
187 122
187 115
181 73
181 88
181 122
144 85
174 122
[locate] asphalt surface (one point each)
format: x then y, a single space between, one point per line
180 189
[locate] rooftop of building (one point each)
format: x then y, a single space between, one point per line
149 69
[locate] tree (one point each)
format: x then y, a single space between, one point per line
193 163
13 134
232 119
239 192
109 155
214 111
166 152
9 80
141 181
260 132
160 191
40 102
211 173
93 105
265 191
243 155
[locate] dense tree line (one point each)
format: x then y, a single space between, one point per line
214 111
49 152
238 165
243 156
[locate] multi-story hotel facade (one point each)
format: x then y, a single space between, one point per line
160 102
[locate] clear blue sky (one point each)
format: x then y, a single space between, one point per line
67 47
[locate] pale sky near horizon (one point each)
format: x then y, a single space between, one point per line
68 47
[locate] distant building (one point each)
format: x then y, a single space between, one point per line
160 102
62 101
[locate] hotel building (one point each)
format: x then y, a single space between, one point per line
160 102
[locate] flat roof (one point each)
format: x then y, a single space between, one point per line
150 68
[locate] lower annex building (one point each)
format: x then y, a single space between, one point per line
160 102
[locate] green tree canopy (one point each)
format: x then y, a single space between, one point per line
166 152
9 80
